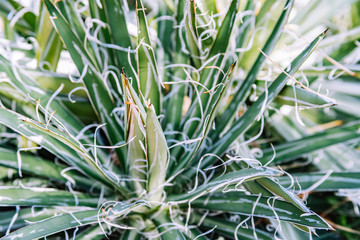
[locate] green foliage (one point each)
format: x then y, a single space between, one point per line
169 119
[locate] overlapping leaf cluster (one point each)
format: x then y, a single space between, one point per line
168 120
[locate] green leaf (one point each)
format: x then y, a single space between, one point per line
14 196
265 21
210 75
228 229
70 15
24 215
192 34
164 226
165 29
211 6
92 232
322 181
104 37
225 180
157 155
147 68
97 90
60 144
291 150
75 145
54 225
136 156
245 87
260 207
208 120
67 221
222 39
49 43
292 95
256 109
120 37
130 235
175 105
28 87
280 191
244 31
51 81
130 96
26 23
40 167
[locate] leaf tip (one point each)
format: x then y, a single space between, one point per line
326 30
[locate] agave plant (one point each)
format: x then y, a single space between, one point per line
168 120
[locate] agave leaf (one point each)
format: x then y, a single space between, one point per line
321 181
292 231
222 38
9 32
103 36
14 196
228 229
97 11
210 6
162 221
246 120
49 43
130 235
26 23
157 155
317 11
209 119
136 155
55 224
51 81
344 37
327 70
291 150
60 144
355 10
14 120
266 19
175 105
245 87
260 207
131 96
195 233
71 17
191 33
209 76
23 215
245 28
269 187
79 149
92 80
147 68
69 14
92 232
66 221
225 180
344 86
293 96
120 37
279 190
28 87
164 31
263 14
38 166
